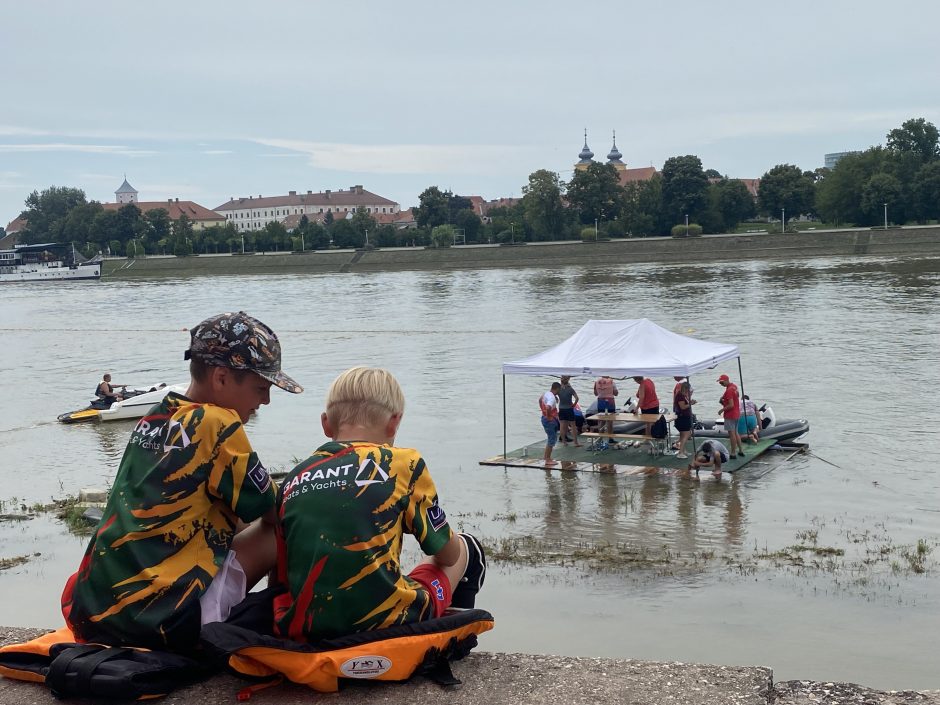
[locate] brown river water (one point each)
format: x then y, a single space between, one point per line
849 343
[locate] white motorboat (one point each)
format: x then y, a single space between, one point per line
51 261
135 404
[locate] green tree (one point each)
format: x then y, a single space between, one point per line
735 203
541 201
386 236
685 188
595 193
345 235
443 236
363 222
926 190
46 212
881 189
839 194
317 237
786 187
432 209
470 223
917 137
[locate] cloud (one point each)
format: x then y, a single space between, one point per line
217 151
121 150
404 158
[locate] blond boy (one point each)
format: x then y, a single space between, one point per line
342 515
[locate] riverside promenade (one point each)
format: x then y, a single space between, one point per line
531 679
908 241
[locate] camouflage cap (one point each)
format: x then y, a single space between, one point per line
241 342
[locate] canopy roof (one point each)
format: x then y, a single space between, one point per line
625 349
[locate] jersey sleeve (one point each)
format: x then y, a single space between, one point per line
425 518
238 478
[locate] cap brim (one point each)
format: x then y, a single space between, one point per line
279 379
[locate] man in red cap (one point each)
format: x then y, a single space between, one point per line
731 410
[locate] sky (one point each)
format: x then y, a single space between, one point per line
206 100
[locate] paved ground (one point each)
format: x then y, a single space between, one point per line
525 679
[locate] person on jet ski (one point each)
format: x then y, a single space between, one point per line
105 390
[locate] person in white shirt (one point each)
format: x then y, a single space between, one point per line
548 403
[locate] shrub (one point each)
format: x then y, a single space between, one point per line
588 234
690 230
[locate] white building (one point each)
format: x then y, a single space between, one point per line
253 213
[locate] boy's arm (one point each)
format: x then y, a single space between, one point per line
449 554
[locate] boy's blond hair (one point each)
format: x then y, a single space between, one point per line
364 396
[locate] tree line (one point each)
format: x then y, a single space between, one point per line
900 180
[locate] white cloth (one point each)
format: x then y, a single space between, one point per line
226 590
548 399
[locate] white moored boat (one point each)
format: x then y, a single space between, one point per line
51 261
137 403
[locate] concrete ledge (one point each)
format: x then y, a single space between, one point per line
522 679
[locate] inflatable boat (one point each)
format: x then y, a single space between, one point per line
136 403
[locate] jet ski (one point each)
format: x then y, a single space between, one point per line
136 403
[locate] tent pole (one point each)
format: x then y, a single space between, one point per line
743 413
504 417
689 379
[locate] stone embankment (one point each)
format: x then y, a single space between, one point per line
527 679
552 255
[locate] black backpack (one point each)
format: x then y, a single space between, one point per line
660 428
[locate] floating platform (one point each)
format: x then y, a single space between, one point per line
627 460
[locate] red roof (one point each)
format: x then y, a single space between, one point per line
175 208
643 173
356 196
16 225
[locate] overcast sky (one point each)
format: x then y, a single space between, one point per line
206 100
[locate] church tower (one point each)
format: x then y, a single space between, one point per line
615 157
126 193
586 156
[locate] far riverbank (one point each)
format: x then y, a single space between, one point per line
548 255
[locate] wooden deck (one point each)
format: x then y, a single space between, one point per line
626 461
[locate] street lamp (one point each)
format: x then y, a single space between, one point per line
243 242
686 224
512 232
301 240
783 220
595 230
886 216
367 237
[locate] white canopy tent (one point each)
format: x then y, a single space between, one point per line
625 348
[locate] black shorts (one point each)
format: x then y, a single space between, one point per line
683 423
650 410
566 414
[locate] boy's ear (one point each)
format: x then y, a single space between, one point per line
391 427
327 426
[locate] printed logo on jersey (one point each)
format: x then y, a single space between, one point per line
370 473
259 477
436 517
176 438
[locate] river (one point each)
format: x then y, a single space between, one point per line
849 343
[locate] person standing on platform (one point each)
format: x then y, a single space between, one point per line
567 398
548 403
731 410
647 401
682 407
605 389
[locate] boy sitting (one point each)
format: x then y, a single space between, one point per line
165 557
342 514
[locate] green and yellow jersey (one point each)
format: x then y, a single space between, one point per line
342 514
187 475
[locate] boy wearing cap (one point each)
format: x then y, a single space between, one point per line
165 557
342 515
731 410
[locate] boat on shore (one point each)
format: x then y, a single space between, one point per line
51 261
136 403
